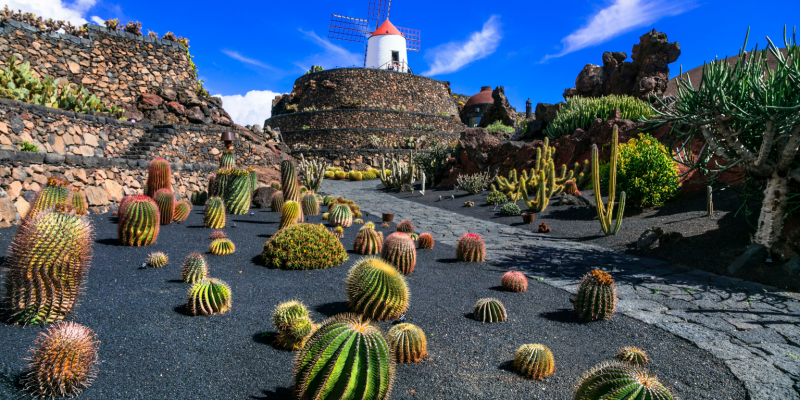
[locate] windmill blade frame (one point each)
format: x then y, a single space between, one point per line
378 11
413 38
348 28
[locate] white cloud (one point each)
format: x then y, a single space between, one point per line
620 17
56 9
451 57
332 55
97 20
251 109
247 60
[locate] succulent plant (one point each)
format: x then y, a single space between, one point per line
310 204
138 223
408 343
570 187
214 216
514 281
534 361
237 191
470 248
597 296
253 179
63 361
221 181
291 189
48 258
276 202
289 214
405 226
212 186
617 380
221 247
329 174
385 225
490 310
56 192
199 198
325 216
543 228
358 221
286 313
339 175
218 234
413 236
157 259
182 210
376 290
355 176
399 250
79 201
166 206
345 358
425 241
293 324
159 176
327 200
510 209
338 232
340 215
209 296
367 241
227 160
633 356
496 197
303 246
195 268
275 185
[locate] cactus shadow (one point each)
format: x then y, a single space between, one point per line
497 288
507 366
181 309
448 261
247 221
470 316
267 338
280 393
332 308
11 380
196 226
564 315
108 241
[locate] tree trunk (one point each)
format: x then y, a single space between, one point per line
770 222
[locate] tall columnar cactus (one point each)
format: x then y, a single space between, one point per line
227 160
221 182
405 226
79 201
313 172
346 358
376 290
159 176
253 177
56 192
221 247
182 210
490 310
214 216
514 281
340 215
289 214
534 361
237 192
291 188
138 223
709 201
276 202
399 251
48 258
195 268
425 241
63 361
209 296
617 380
633 356
166 205
212 186
597 296
605 212
398 175
408 343
470 248
293 324
199 198
310 204
368 241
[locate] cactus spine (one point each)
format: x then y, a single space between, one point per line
182 210
221 247
616 380
291 189
53 194
209 296
490 310
159 176
399 250
138 221
408 343
289 214
605 212
340 215
166 205
470 248
214 216
376 290
425 241
79 201
514 281
597 296
534 361
368 241
237 191
276 201
195 268
310 204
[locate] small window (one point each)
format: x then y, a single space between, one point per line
473 121
395 56
477 109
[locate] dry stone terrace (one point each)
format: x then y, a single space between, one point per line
752 327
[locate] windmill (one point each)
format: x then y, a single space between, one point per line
364 30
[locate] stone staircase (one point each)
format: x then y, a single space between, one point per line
153 138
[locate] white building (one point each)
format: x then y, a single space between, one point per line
385 47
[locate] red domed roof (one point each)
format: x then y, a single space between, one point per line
386 28
482 97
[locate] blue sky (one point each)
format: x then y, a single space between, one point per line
248 51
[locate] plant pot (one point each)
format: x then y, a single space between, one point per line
527 217
388 217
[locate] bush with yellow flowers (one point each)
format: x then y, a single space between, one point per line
646 172
304 246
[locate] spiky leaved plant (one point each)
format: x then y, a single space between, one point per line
56 192
291 188
209 296
237 192
253 178
166 205
470 248
63 361
227 160
405 226
199 198
376 290
425 241
289 214
159 176
221 247
399 250
633 356
138 223
304 246
367 240
597 296
490 310
340 215
310 204
514 281
157 259
182 210
48 258
276 202
293 324
79 201
214 216
534 361
617 380
408 343
195 268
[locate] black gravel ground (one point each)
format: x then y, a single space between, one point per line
151 350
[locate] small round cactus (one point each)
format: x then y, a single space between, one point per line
218 234
182 210
470 248
633 356
276 202
327 200
214 216
339 175
221 247
571 188
166 206
209 296
425 241
289 214
376 290
613 379
138 223
355 176
195 268
328 174
405 226
276 185
490 310
597 296
325 216
293 324
310 204
79 200
534 361
408 342
340 215
368 241
399 250
514 281
157 259
286 313
338 232
199 198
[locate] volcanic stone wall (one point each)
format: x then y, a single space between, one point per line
365 118
362 138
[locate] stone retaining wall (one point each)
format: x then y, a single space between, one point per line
364 118
362 138
353 159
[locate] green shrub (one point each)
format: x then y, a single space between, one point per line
496 198
434 163
646 172
28 146
497 126
580 112
304 246
510 209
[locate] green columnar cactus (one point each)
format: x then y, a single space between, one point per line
514 281
195 268
405 226
633 356
138 223
209 296
253 178
376 290
293 324
346 358
545 189
237 195
214 216
398 175
182 210
399 251
291 188
470 248
709 201
221 247
367 240
199 198
534 361
490 310
310 204
408 343
63 362
227 160
54 193
340 215
212 183
605 212
79 201
221 181
276 202
166 206
597 296
313 173
48 258
159 176
157 259
425 241
616 380
289 214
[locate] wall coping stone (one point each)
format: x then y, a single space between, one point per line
373 130
375 70
361 110
93 29
69 114
359 151
31 157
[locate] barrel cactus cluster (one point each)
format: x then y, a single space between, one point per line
376 290
293 324
139 221
399 251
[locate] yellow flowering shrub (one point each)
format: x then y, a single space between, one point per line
646 172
